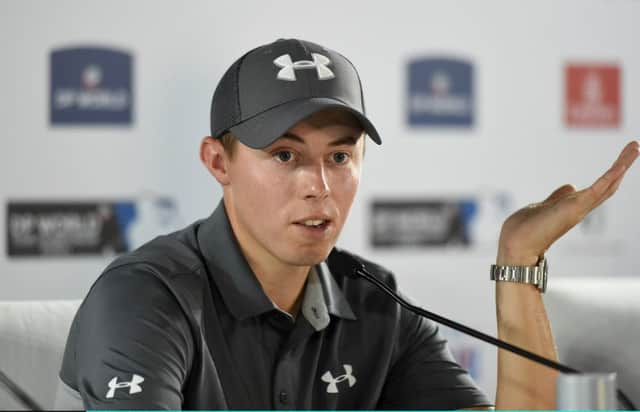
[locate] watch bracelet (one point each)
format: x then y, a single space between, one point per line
532 275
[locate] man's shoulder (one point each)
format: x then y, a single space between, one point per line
172 254
170 264
145 302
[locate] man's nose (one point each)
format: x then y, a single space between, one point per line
315 182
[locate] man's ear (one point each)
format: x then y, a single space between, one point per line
215 159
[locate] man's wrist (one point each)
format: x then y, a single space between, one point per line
506 258
522 273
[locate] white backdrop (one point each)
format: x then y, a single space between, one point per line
519 145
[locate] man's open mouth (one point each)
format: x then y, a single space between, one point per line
313 223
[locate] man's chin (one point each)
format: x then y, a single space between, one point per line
310 257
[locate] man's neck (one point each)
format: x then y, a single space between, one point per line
283 284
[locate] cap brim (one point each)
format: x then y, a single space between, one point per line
263 129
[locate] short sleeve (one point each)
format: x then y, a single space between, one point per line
425 375
130 345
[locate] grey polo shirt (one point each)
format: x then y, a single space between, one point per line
183 323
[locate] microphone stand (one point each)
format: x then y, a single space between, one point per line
359 269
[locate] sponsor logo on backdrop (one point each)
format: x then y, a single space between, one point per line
90 86
440 92
85 227
473 222
592 95
401 223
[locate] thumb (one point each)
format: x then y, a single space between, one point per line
559 193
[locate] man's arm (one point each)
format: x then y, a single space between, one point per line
130 346
522 319
425 375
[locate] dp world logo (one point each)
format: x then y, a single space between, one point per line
90 86
47 228
440 93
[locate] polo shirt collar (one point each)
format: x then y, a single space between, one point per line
242 293
334 299
227 266
322 297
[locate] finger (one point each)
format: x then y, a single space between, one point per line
593 196
560 192
568 208
610 191
596 192
603 188
628 154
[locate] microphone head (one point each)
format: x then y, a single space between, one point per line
341 261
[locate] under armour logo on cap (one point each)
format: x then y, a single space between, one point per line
134 385
333 382
289 67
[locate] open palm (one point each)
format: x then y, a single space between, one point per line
530 231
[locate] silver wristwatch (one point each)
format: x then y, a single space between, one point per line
532 275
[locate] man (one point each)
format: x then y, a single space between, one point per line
244 310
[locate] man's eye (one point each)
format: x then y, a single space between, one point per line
340 157
283 156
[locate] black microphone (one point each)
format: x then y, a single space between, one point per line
352 266
18 393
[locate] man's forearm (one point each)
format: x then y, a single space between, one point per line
522 321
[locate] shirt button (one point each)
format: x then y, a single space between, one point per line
284 397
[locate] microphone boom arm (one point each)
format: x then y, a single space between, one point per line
362 272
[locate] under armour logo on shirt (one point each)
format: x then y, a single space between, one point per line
289 67
134 385
333 382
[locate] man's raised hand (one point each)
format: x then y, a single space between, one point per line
530 231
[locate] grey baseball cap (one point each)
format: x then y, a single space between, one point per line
273 87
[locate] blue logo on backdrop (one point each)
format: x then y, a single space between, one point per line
143 220
90 86
422 223
47 228
440 93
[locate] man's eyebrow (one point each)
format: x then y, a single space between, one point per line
347 140
291 136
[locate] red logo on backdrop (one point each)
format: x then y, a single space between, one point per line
592 95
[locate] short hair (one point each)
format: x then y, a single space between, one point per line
229 142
